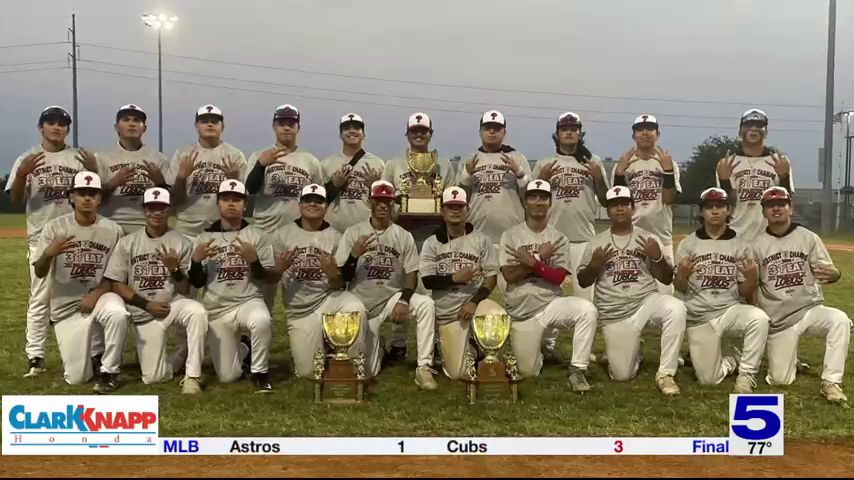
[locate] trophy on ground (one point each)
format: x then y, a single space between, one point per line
421 191
495 375
338 377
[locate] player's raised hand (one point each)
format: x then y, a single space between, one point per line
186 164
664 158
547 171
686 266
59 245
88 160
471 165
153 172
269 156
158 309
29 164
342 175
202 251
600 256
466 274
650 247
595 170
168 257
231 168
247 250
522 256
627 158
371 175
362 245
549 249
512 162
781 164
121 177
285 259
726 166
328 264
748 267
826 274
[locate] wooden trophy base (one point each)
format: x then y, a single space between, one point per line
340 382
491 381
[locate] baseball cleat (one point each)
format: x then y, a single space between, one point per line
424 378
744 383
244 350
578 380
262 383
108 383
833 392
35 367
191 386
667 385
395 355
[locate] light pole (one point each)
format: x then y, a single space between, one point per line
846 189
159 22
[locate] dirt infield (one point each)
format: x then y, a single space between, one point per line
801 459
13 232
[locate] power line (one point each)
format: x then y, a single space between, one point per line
430 99
408 106
31 63
448 85
34 70
22 45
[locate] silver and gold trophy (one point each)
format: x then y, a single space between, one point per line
339 378
421 190
496 374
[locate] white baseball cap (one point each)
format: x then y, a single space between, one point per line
775 193
131 108
539 186
156 195
713 194
645 119
493 116
419 119
87 180
754 115
286 111
382 189
351 118
454 196
229 185
569 119
313 189
620 191
208 110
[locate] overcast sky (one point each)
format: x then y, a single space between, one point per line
608 60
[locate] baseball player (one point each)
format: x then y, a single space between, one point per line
40 179
149 271
793 264
653 178
312 285
460 266
199 171
624 263
715 273
380 261
232 259
419 132
130 169
496 177
748 172
534 259
72 254
350 173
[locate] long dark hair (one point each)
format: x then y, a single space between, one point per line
582 153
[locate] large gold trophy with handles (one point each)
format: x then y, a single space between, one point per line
496 375
421 190
339 378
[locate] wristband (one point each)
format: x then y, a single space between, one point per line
178 275
406 295
138 301
669 180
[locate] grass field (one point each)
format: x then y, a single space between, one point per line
397 407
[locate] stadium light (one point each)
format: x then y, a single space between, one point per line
159 22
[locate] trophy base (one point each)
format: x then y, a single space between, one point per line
339 383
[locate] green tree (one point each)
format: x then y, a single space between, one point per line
699 173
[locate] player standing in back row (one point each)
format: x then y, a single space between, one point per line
653 179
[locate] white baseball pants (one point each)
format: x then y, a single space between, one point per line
224 339
423 311
576 252
152 338
38 306
704 342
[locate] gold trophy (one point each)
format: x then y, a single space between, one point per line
497 373
421 191
339 378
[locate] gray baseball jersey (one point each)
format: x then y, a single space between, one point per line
230 282
277 204
135 263
627 280
304 285
47 186
351 205
199 210
645 180
574 203
75 273
397 169
440 257
124 206
787 286
496 194
381 270
750 177
713 285
527 298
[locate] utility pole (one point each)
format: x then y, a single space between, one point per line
827 183
73 55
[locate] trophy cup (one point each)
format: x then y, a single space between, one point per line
339 378
496 374
421 191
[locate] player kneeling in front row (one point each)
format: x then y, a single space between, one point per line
716 272
793 264
72 253
534 259
149 271
460 266
232 260
624 263
379 259
312 285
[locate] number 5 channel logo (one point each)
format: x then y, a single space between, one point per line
756 425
